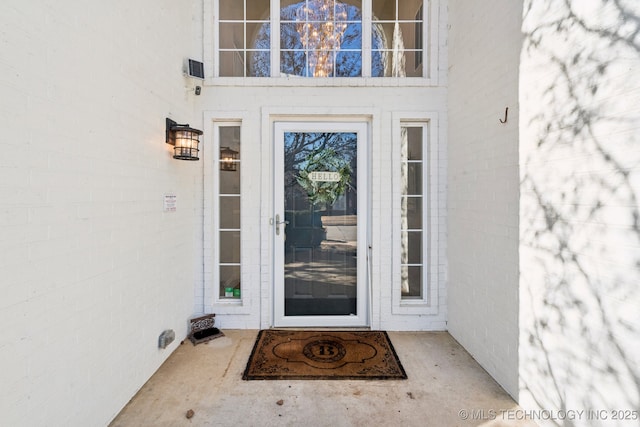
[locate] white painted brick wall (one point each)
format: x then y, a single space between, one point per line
92 269
254 104
579 209
483 54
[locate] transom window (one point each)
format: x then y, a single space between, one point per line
320 38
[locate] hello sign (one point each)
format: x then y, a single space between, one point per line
324 176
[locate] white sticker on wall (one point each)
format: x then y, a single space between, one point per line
170 202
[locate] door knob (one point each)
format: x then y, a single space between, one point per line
278 222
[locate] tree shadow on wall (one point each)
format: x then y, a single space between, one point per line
580 218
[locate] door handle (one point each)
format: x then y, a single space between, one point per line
278 222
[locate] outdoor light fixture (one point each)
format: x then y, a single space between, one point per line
184 139
228 159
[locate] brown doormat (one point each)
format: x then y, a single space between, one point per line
321 355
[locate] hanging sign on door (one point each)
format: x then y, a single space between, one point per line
320 176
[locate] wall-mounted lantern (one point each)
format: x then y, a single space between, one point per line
185 140
228 159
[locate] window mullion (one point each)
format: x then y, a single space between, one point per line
367 19
244 37
275 38
216 38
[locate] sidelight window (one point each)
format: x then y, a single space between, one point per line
412 203
416 242
228 215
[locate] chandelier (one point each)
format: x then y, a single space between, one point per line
321 24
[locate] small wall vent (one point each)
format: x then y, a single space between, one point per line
166 338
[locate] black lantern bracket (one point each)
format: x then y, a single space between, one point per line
184 139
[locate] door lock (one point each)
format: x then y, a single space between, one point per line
278 222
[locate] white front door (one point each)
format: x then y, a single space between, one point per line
320 224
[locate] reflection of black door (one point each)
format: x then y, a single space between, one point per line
320 259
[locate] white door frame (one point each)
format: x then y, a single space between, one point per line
362 318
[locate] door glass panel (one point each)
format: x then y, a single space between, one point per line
320 249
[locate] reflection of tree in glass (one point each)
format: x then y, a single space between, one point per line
301 147
260 65
324 192
293 61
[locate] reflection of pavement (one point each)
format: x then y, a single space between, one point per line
333 272
337 246
341 233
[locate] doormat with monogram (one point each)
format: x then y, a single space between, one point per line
322 355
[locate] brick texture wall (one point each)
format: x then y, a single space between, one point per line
91 268
484 50
579 215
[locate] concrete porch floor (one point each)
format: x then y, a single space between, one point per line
446 387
